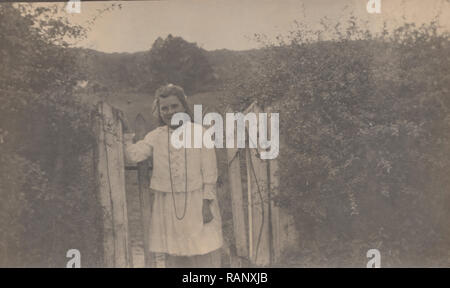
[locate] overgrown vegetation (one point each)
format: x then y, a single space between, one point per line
365 127
47 188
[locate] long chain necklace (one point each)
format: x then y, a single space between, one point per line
171 182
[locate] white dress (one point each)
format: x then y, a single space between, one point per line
188 236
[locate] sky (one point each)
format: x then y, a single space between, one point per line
232 24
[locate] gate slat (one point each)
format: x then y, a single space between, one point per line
110 166
145 198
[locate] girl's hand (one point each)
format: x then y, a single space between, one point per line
207 214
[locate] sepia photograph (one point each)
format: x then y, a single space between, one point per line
225 134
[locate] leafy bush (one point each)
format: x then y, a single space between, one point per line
365 129
47 187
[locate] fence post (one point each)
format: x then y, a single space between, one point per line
111 174
237 203
277 219
145 198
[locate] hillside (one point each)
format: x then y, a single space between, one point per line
127 81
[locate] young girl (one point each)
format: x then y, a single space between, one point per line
186 226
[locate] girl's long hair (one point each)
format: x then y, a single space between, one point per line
165 91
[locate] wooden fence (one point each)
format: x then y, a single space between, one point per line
269 229
261 229
111 176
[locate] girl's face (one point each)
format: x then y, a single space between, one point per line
168 107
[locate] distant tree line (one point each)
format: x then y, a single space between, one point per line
169 60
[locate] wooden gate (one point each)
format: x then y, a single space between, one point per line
111 180
266 231
261 229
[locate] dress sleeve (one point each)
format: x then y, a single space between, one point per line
141 150
209 172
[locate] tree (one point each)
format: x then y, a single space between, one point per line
174 60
